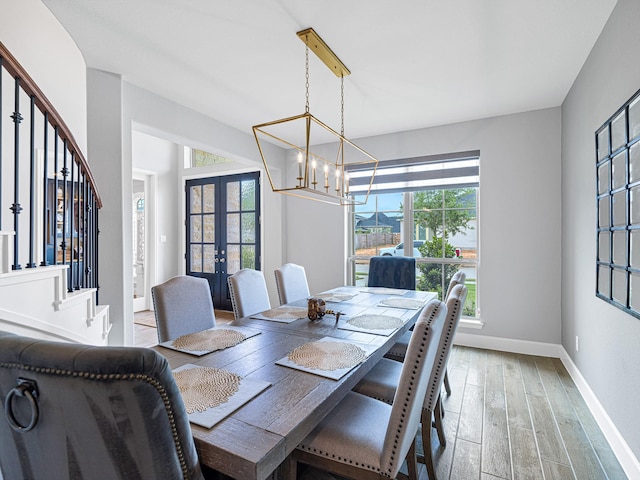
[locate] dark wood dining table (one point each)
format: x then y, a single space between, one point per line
255 439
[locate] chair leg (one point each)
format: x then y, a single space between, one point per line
426 444
412 462
289 468
447 386
438 414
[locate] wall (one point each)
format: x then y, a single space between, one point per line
113 177
519 212
160 157
50 57
609 357
157 116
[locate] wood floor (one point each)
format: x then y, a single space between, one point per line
509 416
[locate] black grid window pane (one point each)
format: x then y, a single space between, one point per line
617 144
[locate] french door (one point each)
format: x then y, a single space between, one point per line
223 230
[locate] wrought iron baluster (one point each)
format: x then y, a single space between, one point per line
72 209
45 193
32 184
85 229
96 265
16 208
65 172
55 195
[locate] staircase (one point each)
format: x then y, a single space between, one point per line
49 256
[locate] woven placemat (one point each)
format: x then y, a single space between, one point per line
335 297
375 322
286 313
204 388
397 302
327 355
209 340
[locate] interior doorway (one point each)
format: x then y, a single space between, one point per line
141 233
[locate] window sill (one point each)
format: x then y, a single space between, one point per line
471 323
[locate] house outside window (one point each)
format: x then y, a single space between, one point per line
431 215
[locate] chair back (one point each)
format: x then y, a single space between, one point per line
248 291
291 281
182 305
392 272
458 279
85 412
455 304
412 386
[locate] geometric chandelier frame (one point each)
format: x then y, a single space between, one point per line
319 159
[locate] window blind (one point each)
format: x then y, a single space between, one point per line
452 170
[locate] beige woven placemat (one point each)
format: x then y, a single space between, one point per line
327 355
209 340
204 388
335 297
375 322
285 313
397 302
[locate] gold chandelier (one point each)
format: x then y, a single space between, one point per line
321 164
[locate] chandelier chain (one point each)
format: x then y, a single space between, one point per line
342 105
306 67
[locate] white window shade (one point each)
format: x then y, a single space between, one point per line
456 170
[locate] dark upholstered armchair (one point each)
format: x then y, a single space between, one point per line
83 412
392 272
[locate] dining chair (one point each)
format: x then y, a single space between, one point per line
291 281
399 349
384 380
364 438
392 272
182 305
78 412
248 291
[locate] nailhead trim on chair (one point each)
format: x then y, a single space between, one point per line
433 397
232 294
398 433
409 393
118 376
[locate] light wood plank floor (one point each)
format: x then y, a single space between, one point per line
509 416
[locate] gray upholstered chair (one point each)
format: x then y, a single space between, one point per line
392 272
182 305
363 438
248 291
397 352
291 281
384 380
84 412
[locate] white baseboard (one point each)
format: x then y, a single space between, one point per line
620 448
508 345
627 459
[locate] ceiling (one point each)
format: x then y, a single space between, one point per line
414 63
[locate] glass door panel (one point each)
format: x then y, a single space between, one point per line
222 230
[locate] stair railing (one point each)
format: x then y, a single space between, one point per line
62 202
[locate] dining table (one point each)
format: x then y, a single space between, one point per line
250 442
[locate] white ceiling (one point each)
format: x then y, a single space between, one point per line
414 63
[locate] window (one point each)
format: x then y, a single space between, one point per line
618 204
432 201
200 158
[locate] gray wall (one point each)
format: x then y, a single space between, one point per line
519 216
160 157
113 176
609 356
